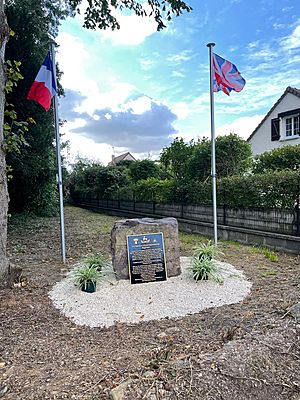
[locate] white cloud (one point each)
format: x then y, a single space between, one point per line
133 30
146 64
242 126
286 9
178 74
109 93
292 41
139 105
185 55
181 109
264 52
74 75
252 45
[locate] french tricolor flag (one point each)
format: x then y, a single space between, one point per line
44 85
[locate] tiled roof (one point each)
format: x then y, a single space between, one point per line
121 157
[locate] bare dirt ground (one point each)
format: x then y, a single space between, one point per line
249 350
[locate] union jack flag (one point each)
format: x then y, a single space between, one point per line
226 76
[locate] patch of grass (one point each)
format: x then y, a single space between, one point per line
227 243
188 241
268 253
267 273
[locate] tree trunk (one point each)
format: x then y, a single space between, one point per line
4 199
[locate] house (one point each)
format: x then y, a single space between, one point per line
281 125
123 157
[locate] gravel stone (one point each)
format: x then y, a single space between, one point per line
120 302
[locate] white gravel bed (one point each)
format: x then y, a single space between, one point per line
119 301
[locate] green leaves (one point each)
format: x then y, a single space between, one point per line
14 130
286 157
83 275
98 13
13 74
205 268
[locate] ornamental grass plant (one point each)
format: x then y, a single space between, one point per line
203 264
84 276
97 261
206 250
204 269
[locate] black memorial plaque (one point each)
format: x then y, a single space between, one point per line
146 258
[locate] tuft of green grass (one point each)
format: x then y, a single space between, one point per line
267 273
268 253
227 243
188 241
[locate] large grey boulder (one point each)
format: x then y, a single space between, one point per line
140 226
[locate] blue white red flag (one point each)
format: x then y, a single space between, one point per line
44 85
226 76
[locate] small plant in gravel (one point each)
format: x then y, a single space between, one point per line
205 268
206 250
86 278
97 261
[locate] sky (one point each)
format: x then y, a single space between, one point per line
137 89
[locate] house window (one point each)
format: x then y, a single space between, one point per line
292 126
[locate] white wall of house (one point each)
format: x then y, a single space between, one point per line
261 140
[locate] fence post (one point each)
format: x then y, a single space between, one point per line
298 210
153 202
182 206
224 207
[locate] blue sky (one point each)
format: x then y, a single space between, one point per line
136 89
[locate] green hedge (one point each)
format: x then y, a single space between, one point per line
269 190
272 189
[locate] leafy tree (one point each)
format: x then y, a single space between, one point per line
95 179
141 170
124 163
4 33
153 189
233 157
34 168
286 157
199 164
98 14
175 158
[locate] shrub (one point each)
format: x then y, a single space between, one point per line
97 261
205 268
83 275
283 158
269 190
206 250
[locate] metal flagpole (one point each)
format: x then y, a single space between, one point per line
58 158
213 144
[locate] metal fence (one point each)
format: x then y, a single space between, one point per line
277 220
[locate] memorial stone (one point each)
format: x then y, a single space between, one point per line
142 226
